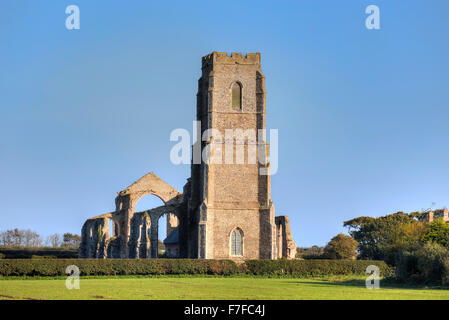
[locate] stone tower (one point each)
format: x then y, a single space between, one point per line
230 196
225 210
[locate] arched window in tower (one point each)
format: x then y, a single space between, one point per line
237 96
237 242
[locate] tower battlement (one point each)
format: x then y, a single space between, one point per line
234 58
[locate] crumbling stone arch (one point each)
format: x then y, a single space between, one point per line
148 184
155 215
133 230
95 236
127 199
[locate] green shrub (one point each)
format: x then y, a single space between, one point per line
438 232
282 267
313 267
341 247
43 257
2 256
426 264
29 253
57 267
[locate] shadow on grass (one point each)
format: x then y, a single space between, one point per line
387 283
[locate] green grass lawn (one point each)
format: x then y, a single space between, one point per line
211 288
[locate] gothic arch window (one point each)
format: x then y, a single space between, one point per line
237 242
236 90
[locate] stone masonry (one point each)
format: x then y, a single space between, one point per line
225 210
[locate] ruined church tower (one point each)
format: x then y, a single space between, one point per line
229 204
225 210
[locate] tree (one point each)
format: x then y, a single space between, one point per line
20 238
54 240
438 232
377 235
406 237
32 239
428 263
341 247
160 248
313 252
71 240
17 237
4 240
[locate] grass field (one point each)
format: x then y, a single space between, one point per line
197 288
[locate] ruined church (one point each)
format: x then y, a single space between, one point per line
225 210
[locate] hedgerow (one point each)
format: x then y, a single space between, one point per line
313 267
30 253
94 267
57 267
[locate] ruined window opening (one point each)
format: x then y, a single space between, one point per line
161 233
148 202
237 96
111 228
141 233
237 242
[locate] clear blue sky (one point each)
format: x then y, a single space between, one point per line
362 114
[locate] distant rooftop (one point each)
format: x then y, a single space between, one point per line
172 237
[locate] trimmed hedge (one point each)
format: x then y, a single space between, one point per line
314 267
90 267
43 257
282 267
30 253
